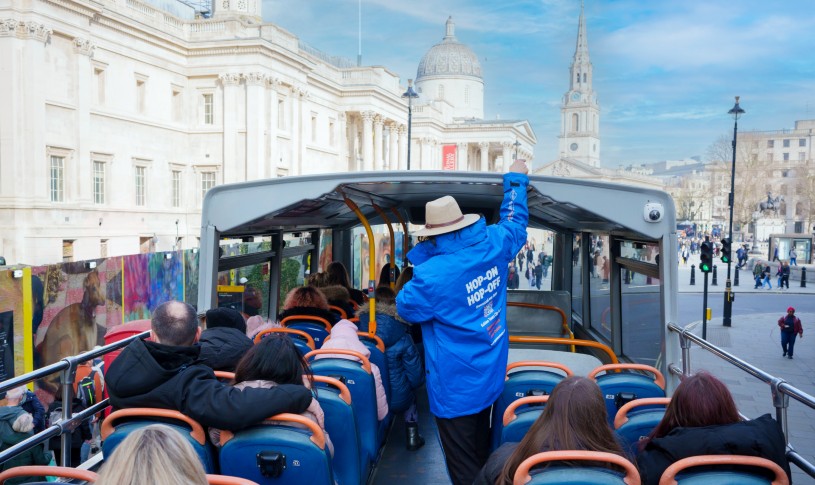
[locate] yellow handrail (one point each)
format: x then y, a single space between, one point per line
371 264
528 339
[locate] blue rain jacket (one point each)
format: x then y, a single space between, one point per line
458 295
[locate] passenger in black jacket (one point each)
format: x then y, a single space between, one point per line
702 419
224 342
166 374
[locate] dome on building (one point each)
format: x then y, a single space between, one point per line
449 58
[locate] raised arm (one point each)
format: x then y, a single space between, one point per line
514 209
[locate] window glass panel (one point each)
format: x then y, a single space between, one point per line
99 182
176 188
641 310
57 179
577 276
209 116
292 274
207 182
535 273
139 185
245 289
599 268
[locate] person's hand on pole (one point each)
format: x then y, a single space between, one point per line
519 166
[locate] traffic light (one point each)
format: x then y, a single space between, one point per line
726 250
706 257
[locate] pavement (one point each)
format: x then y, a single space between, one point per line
746 281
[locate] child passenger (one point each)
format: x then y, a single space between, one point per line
275 361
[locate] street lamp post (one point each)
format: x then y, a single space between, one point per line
736 112
409 94
516 145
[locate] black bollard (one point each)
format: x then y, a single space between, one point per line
803 277
714 282
627 277
693 274
736 279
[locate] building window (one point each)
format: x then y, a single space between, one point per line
786 156
209 115
281 114
331 136
103 248
57 178
584 77
441 91
578 77
207 182
802 142
802 156
575 122
770 143
314 127
176 182
141 87
99 75
177 104
139 184
67 250
98 182
786 143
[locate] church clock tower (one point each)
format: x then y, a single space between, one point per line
579 114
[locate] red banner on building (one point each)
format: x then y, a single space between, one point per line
448 157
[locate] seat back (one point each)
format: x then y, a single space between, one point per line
620 388
576 475
636 420
121 423
516 424
225 480
360 382
291 451
678 472
522 383
338 311
48 471
303 342
317 327
335 399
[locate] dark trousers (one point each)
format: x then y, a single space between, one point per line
466 444
788 342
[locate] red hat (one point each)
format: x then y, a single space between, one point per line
791 309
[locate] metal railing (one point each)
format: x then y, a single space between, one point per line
780 390
69 421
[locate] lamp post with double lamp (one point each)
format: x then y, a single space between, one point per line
516 145
736 112
409 94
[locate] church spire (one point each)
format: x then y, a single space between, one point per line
581 63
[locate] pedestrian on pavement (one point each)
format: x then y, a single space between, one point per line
758 270
793 257
785 275
790 328
780 275
766 281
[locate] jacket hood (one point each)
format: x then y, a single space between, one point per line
146 365
389 326
344 336
15 419
10 414
449 243
223 347
336 293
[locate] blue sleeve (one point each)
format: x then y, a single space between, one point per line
413 302
413 363
514 214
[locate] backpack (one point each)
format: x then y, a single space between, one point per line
86 389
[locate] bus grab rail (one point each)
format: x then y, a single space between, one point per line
780 390
371 264
538 306
68 422
528 339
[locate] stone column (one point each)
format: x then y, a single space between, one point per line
255 119
485 156
274 149
84 52
342 136
378 145
230 82
461 162
507 153
367 141
426 162
294 165
393 151
403 141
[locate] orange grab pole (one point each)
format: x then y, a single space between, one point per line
525 339
392 263
371 264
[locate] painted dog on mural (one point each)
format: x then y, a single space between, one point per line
73 330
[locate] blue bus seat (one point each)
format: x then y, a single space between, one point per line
517 424
527 382
319 328
360 382
303 342
576 475
278 453
679 471
121 423
619 388
335 398
636 420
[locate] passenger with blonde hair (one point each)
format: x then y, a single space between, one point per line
16 425
153 454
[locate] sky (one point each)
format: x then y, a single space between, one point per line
665 71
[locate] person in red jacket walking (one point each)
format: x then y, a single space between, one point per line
790 328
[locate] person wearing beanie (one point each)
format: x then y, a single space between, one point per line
17 425
790 326
224 342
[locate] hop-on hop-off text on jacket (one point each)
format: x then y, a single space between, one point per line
458 295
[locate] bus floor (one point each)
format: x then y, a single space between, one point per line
397 465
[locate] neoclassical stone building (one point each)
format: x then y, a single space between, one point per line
119 115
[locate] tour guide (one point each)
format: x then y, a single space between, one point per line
458 295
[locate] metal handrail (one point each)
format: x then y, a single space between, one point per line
781 391
69 422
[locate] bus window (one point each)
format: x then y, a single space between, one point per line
245 289
641 316
577 276
292 274
599 288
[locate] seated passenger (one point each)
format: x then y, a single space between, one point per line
165 374
224 341
344 336
338 275
16 425
574 419
404 362
153 454
307 300
339 297
270 363
702 419
385 275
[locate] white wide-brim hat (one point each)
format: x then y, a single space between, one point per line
443 215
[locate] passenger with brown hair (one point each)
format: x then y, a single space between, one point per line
338 275
307 300
702 419
574 419
153 454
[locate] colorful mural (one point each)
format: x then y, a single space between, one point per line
151 279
